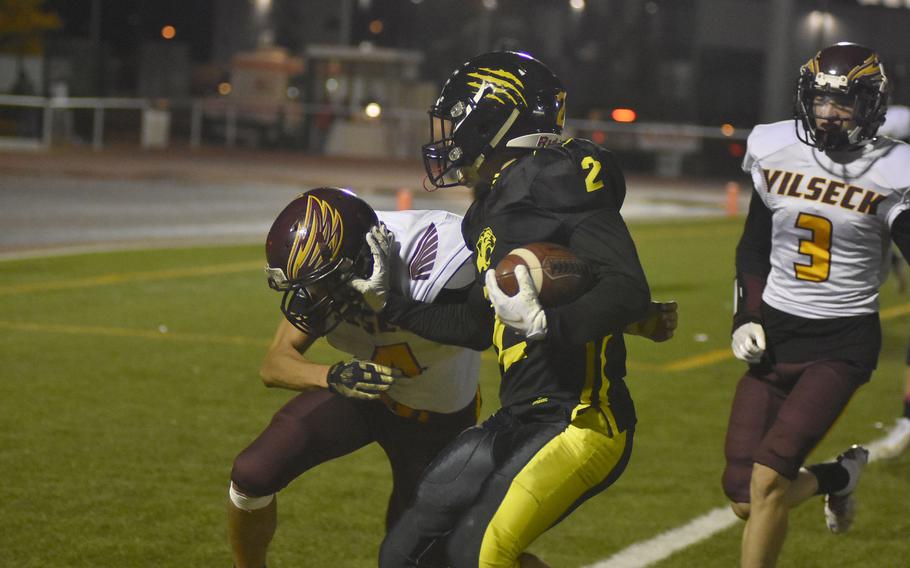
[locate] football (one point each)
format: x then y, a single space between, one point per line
559 276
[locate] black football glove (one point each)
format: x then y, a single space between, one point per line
659 324
361 379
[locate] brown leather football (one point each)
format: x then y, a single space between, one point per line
559 276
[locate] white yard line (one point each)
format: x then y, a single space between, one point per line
649 552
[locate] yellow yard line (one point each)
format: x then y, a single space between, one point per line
696 361
894 312
132 333
719 355
684 364
124 277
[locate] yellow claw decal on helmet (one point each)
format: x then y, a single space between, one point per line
870 66
812 65
561 114
501 82
321 231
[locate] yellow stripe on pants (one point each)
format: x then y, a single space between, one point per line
567 467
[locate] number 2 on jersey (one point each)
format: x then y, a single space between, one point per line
591 181
818 248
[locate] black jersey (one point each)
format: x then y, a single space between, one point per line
571 195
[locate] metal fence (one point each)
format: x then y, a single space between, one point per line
39 123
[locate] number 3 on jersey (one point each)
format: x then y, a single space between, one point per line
592 183
817 248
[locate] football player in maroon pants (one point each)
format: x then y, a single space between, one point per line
409 395
829 196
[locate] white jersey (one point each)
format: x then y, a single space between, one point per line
441 378
897 123
830 230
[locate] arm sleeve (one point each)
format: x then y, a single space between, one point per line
620 294
900 233
468 323
753 262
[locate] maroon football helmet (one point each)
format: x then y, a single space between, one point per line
315 246
851 75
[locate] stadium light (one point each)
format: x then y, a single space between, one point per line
577 5
623 115
372 110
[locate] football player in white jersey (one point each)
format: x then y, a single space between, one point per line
409 395
829 197
897 125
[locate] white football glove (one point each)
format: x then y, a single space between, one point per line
522 312
749 342
375 288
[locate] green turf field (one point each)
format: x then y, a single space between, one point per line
129 383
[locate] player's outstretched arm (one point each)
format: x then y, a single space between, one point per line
285 366
620 295
466 322
753 262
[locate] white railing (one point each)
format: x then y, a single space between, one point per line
320 128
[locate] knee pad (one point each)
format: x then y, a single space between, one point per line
741 510
247 503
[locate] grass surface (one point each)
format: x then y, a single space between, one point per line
129 383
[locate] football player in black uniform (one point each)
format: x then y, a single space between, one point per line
565 429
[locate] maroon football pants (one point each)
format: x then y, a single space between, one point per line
780 413
318 426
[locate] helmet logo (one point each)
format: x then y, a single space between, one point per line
561 114
486 242
318 238
833 81
495 82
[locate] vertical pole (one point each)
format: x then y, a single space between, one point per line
47 127
195 125
95 32
230 127
98 128
778 78
345 18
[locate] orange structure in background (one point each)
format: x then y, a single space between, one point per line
405 199
732 206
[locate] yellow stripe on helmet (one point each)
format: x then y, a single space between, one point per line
496 90
322 225
504 73
496 81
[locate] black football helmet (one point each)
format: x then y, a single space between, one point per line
851 75
494 101
315 246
